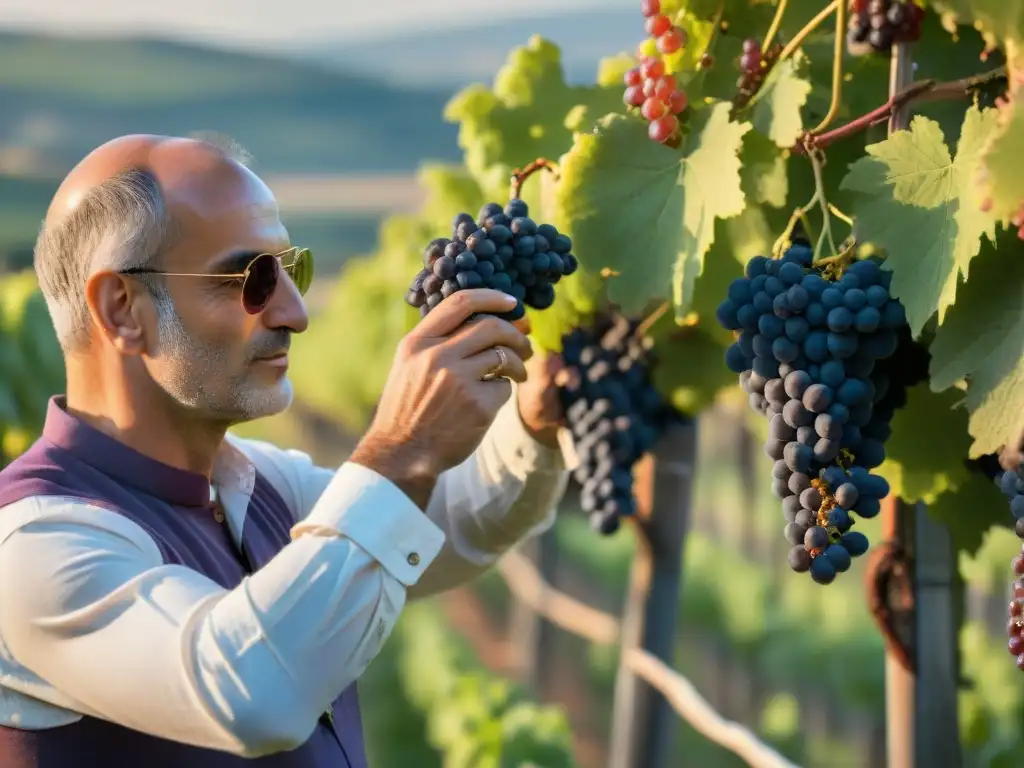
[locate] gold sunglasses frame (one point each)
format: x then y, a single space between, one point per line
303 257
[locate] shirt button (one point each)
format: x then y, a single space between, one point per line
413 559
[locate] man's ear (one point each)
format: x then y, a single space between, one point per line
119 308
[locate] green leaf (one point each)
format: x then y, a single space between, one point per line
548 326
923 209
970 510
641 210
524 116
690 373
775 110
711 184
982 340
620 197
450 190
1004 162
999 21
764 174
925 453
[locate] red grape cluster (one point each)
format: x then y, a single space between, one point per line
755 64
1011 483
1015 626
649 86
877 24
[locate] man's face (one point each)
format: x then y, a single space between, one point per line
211 355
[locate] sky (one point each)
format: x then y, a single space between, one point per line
272 22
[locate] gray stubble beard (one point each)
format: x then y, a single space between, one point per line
197 379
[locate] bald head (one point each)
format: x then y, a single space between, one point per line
125 206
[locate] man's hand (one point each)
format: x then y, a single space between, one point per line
538 401
435 407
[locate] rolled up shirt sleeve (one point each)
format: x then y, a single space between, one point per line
93 621
508 490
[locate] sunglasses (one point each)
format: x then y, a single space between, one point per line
260 278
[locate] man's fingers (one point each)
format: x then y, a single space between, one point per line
447 316
488 331
498 361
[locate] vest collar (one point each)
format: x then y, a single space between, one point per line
126 465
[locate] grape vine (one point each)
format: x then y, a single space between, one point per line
613 410
504 249
808 341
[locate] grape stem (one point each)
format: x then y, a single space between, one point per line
837 70
520 175
808 28
774 28
800 214
819 193
651 319
926 90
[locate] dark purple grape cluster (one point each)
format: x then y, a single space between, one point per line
808 342
502 249
754 65
878 24
614 412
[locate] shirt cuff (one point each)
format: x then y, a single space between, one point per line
518 450
375 514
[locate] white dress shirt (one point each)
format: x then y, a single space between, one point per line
92 622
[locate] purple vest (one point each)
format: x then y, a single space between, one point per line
171 505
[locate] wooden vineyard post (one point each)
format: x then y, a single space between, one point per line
642 721
921 663
530 632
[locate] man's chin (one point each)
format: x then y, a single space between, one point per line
265 401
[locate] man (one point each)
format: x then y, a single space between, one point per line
173 596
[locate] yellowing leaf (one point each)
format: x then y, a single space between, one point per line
711 190
999 21
1004 162
983 341
643 211
923 209
775 110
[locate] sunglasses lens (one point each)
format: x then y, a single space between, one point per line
301 270
260 283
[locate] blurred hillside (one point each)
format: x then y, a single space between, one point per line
63 96
482 45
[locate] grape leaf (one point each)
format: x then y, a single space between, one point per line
548 326
970 510
983 340
690 373
999 21
450 190
763 176
644 212
775 109
523 116
923 209
1004 162
924 454
711 184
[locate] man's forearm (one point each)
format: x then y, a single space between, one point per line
398 465
508 490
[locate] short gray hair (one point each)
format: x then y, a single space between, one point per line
120 224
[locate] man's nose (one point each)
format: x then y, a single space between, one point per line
286 308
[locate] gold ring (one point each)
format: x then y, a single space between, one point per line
495 372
